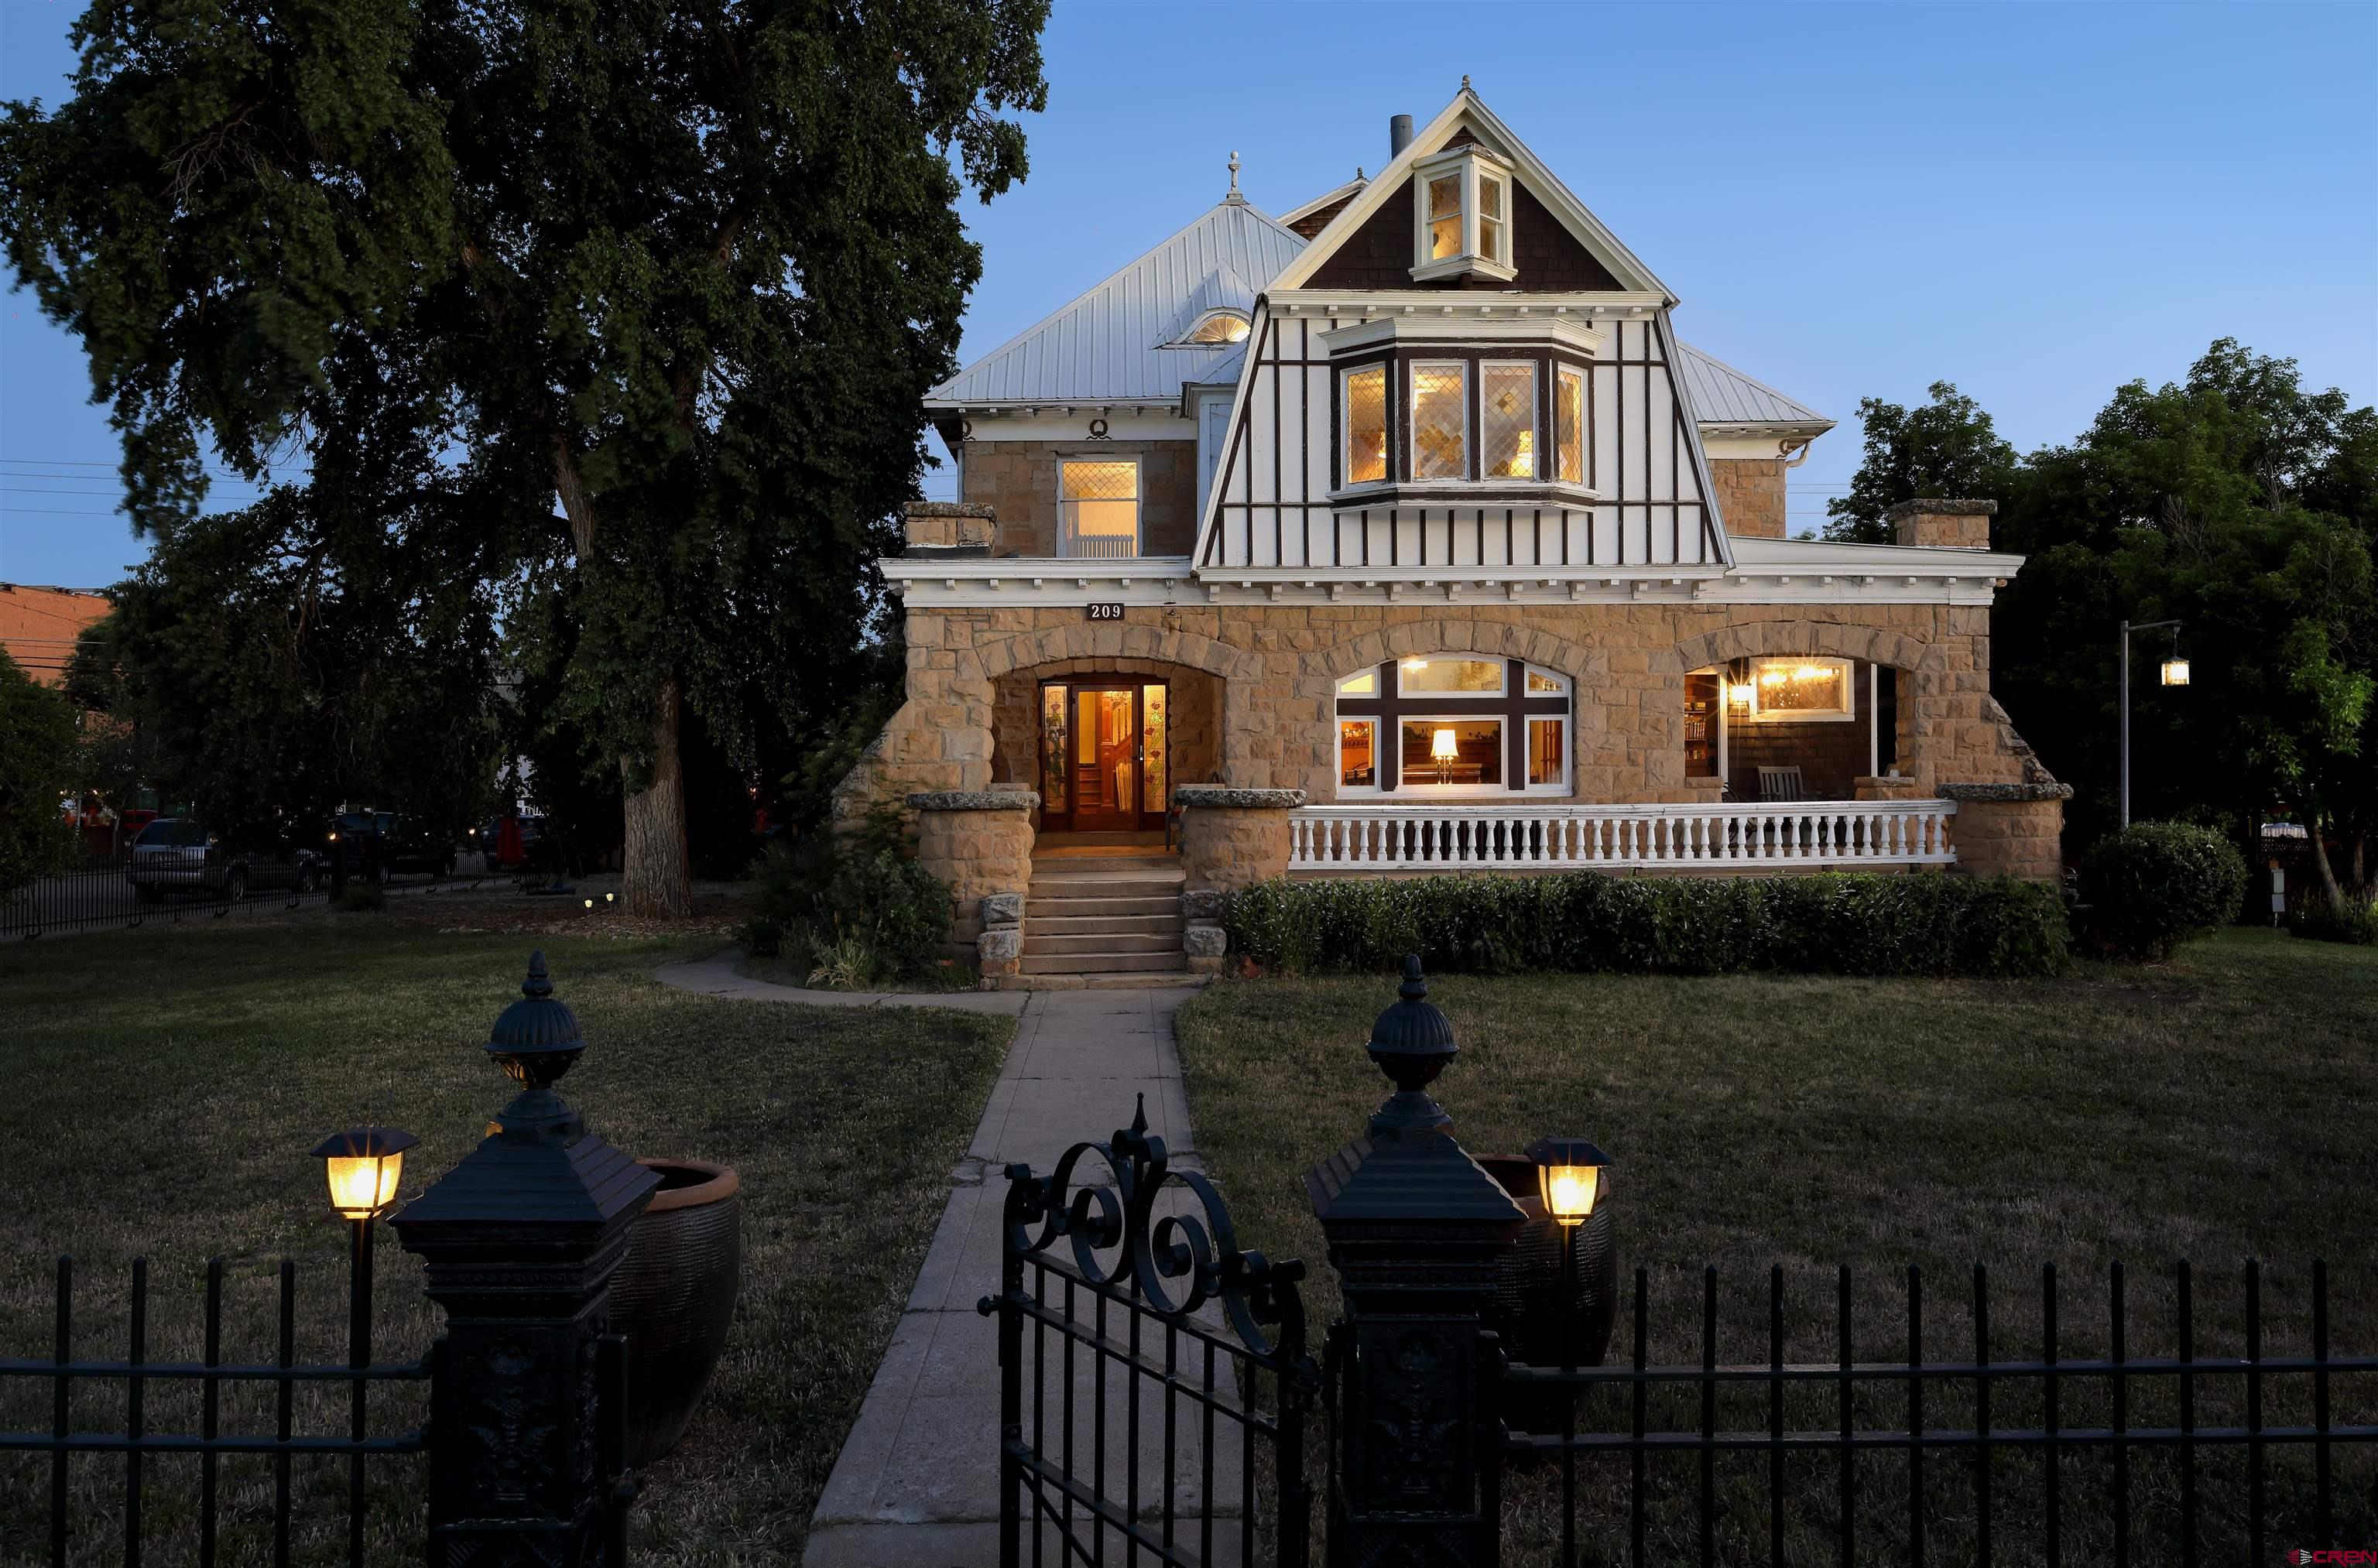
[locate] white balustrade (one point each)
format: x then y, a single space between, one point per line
1454 835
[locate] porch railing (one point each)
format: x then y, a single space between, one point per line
1449 835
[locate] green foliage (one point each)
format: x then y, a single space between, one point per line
1945 447
856 905
688 267
2350 920
1589 923
2155 885
38 755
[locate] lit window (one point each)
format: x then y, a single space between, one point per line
1440 421
1098 507
1367 425
1462 216
1358 765
1800 689
1506 419
1217 327
1363 685
1444 216
1544 680
1547 752
1451 751
1569 427
1468 675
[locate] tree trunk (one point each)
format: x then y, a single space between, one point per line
654 882
2327 873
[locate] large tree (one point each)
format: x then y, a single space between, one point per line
1947 447
685 266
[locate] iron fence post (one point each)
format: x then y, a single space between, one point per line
1417 1230
519 1240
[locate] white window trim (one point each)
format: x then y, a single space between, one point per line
1138 504
1535 369
1385 369
1186 339
1411 420
1568 724
1471 161
1847 713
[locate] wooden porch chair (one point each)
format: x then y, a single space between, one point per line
1782 783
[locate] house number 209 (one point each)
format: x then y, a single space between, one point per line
1106 612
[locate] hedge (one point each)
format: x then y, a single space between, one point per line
2155 885
1588 922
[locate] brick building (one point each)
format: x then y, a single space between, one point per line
1402 533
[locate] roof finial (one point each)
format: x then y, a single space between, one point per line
1359 175
1465 82
1234 171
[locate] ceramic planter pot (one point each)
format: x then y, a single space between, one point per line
1527 1310
673 1296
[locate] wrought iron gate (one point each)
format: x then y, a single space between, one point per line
1155 1411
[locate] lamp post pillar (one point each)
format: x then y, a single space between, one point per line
2125 703
519 1240
1417 1231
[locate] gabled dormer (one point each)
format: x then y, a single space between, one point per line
1462 216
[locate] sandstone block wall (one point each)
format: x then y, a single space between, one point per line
979 852
1235 846
1954 524
1750 495
2009 829
1018 480
1277 667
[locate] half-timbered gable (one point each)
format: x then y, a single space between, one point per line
1464 373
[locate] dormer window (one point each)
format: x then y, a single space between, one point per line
1461 217
1215 329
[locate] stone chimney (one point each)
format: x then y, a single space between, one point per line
957 529
1947 524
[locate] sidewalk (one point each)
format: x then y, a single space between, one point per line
916 1483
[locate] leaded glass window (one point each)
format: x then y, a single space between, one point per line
1367 425
1569 427
1440 440
1444 215
1507 420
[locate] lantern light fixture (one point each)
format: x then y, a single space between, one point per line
364 1165
2175 672
1569 1177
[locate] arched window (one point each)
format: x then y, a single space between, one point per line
1453 725
1216 328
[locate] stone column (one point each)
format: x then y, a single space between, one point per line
1952 524
519 1240
979 841
1417 1231
1891 786
1234 838
2009 830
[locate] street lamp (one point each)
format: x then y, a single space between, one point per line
364 1165
2175 672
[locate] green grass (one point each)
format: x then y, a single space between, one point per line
2214 1107
163 1087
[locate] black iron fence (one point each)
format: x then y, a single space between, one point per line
1159 1412
2051 1449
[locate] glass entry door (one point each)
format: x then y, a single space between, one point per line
1104 756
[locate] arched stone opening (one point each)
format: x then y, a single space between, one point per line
1192 720
1886 675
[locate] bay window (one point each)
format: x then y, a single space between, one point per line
1568 426
1366 425
1440 420
1506 419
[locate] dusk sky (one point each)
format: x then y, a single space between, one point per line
2038 203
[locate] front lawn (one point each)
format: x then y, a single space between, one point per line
162 1089
2212 1108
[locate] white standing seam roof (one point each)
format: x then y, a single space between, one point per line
1106 346
1722 395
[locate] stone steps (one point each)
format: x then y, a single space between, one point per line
1103 917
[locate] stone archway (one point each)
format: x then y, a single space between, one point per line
1011 665
1919 665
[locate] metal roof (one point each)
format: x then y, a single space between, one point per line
1107 345
1722 395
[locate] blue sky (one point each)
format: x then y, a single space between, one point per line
2036 202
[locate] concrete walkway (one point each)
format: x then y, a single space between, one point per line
915 1485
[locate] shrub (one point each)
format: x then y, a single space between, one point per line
2356 922
1591 923
2155 885
363 897
854 907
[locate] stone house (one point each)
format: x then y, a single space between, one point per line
1402 533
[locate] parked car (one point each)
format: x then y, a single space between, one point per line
380 844
491 840
179 855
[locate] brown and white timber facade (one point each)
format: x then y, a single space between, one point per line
1403 534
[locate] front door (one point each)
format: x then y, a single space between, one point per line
1103 755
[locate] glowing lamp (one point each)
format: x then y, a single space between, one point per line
2175 672
1738 693
1416 663
363 1165
1443 751
1568 1177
